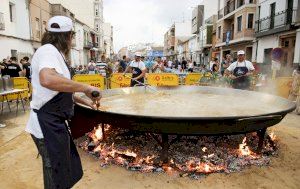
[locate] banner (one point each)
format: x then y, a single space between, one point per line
118 80
193 78
163 79
93 80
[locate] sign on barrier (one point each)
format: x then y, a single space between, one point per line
283 86
193 78
118 80
164 79
93 80
19 83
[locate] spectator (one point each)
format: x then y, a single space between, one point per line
13 69
226 63
295 90
158 66
3 67
26 68
184 63
190 66
123 63
211 63
170 64
92 67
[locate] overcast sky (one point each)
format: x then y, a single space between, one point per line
145 20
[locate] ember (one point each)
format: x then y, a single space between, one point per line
191 156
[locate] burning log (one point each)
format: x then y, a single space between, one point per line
192 157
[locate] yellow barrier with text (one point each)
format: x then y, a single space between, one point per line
283 86
163 79
193 78
118 80
19 83
93 80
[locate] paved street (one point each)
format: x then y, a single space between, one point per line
18 163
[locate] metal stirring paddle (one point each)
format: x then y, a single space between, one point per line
140 83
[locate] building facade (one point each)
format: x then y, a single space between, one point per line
177 30
108 40
277 26
40 13
15 29
235 27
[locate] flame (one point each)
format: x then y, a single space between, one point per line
128 153
273 136
206 168
149 160
244 149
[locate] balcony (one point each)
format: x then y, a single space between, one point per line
281 21
220 14
2 24
230 7
87 44
228 36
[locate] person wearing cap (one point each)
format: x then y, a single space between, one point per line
52 105
240 71
138 70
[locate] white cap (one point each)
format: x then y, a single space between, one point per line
138 54
65 24
241 52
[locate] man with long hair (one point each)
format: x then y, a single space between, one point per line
52 105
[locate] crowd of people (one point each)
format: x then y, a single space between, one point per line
13 68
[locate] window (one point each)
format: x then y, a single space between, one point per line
219 32
44 26
250 21
97 27
239 23
251 1
37 27
96 12
12 12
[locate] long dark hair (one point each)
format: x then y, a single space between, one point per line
60 40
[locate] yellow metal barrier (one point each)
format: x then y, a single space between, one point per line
283 86
19 83
93 80
164 79
118 80
193 78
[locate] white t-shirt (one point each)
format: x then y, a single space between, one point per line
190 65
248 64
170 63
140 65
46 56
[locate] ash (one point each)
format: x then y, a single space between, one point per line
191 156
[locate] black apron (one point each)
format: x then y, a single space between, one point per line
241 82
135 73
64 158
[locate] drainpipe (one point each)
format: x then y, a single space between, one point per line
29 20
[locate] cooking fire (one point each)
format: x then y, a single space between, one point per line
192 156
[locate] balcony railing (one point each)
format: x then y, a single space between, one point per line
230 7
280 19
221 13
228 36
87 44
2 24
